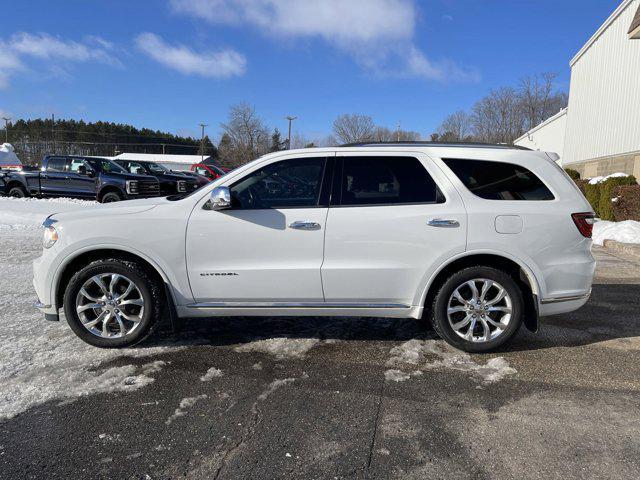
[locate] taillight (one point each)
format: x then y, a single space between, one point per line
584 222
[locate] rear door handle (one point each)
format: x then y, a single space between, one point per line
304 225
439 222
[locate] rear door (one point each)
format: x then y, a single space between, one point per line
53 181
394 219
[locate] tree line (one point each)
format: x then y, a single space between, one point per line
501 116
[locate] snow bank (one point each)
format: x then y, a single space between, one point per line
8 156
595 180
624 232
30 212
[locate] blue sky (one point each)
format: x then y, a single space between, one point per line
171 64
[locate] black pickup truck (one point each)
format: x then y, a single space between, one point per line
80 177
171 183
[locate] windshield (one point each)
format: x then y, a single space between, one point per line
106 166
156 167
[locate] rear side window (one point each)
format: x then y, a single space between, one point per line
498 180
57 165
387 180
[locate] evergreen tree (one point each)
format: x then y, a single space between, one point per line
276 142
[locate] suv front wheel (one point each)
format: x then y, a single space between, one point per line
478 309
113 303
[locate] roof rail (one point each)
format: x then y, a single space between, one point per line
434 144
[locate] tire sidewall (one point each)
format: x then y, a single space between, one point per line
440 305
19 190
110 197
152 307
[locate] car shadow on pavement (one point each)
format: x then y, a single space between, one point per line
611 313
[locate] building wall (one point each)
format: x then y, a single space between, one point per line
549 136
604 99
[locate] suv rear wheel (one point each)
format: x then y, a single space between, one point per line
478 309
113 303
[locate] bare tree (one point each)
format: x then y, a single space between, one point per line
248 136
457 127
538 100
384 134
352 128
497 118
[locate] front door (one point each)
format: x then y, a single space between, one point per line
394 219
80 183
268 247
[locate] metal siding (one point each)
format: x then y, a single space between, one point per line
549 137
604 100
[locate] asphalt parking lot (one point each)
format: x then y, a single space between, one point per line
339 398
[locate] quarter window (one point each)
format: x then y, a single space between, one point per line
387 180
286 184
498 180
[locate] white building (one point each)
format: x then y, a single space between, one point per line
602 132
548 136
172 162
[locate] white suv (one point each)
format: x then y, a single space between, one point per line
476 239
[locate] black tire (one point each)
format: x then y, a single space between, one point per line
110 197
438 312
149 286
18 192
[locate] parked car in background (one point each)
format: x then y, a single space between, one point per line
81 177
211 172
477 240
201 180
171 182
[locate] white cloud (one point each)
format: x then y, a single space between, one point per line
220 64
57 53
378 34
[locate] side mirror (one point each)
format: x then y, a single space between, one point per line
220 198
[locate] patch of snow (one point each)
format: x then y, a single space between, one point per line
275 385
596 180
420 353
624 232
44 361
107 437
212 373
184 405
31 212
257 366
281 348
396 375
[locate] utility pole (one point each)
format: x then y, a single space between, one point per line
398 131
6 129
291 119
53 135
202 142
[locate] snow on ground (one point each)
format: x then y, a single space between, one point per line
42 361
624 232
185 404
212 373
422 355
31 212
596 180
281 348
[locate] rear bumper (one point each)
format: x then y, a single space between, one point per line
558 305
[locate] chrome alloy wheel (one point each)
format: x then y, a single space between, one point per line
110 305
479 310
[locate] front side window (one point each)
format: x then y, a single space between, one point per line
287 184
57 165
387 180
498 180
76 163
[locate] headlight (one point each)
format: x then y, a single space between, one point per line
132 187
50 237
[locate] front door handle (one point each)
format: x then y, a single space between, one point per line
439 222
304 225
